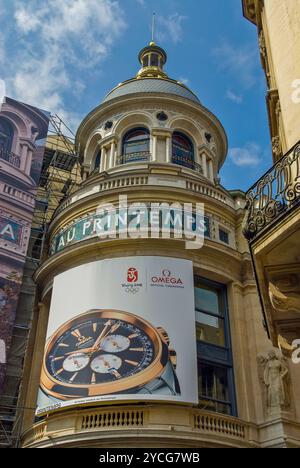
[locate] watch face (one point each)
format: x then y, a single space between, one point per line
102 352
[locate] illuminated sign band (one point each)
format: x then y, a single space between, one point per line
118 222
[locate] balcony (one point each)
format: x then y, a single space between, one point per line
11 158
153 425
134 157
272 227
187 162
274 195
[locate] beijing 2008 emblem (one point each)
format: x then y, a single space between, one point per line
132 286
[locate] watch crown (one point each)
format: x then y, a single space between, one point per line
164 335
173 357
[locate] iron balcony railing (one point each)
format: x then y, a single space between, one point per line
274 195
134 157
187 162
10 157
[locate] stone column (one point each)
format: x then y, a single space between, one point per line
103 159
168 149
112 155
23 156
28 161
154 148
204 164
210 170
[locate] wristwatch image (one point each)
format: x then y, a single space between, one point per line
105 352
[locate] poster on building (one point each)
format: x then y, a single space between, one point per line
121 329
23 130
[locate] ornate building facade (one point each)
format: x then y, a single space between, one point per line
152 141
23 130
273 219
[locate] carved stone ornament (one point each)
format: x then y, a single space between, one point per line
276 147
278 108
262 44
274 377
285 294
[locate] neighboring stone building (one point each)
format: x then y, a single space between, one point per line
273 219
22 132
152 140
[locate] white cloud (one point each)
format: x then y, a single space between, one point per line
185 81
249 155
60 41
237 98
240 61
2 48
171 27
26 20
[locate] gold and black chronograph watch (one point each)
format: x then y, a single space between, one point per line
106 352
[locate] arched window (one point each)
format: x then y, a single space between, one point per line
136 145
182 150
97 161
6 137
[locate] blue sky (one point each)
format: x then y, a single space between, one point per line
65 55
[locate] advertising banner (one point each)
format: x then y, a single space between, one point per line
121 329
23 131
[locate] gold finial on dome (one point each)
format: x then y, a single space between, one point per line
152 58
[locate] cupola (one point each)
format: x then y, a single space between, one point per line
152 58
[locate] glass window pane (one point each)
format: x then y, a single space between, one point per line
6 136
137 135
209 299
136 141
137 147
98 161
214 406
224 236
182 149
213 382
154 60
210 329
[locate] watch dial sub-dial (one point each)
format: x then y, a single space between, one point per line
76 362
69 358
106 363
115 343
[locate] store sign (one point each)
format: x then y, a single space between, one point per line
118 224
10 231
120 330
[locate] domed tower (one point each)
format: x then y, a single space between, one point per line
141 123
147 337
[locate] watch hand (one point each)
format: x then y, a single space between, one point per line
96 345
81 351
102 335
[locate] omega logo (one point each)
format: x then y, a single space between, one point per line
167 279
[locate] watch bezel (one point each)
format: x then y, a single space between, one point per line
161 351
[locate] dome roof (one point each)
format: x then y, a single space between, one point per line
151 85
